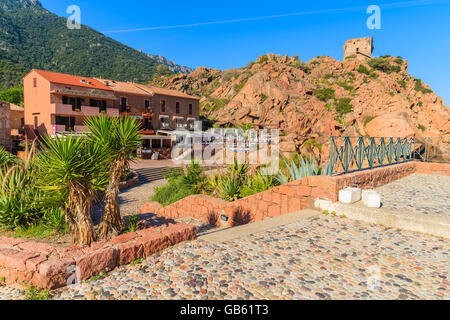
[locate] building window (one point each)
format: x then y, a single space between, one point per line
163 105
34 82
36 122
147 124
147 106
190 108
177 107
123 104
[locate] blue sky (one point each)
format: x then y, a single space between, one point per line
419 31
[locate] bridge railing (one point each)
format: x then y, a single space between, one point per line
348 154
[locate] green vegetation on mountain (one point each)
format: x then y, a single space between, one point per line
13 95
32 37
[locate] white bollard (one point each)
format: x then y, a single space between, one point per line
350 195
371 198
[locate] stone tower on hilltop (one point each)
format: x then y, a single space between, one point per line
362 48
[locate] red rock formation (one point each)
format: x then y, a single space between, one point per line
284 93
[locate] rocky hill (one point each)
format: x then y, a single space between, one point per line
310 101
172 66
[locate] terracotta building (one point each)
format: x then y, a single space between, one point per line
58 103
5 126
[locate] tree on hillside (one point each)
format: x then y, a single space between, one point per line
13 95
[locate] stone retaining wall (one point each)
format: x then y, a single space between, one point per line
134 181
433 168
291 197
27 262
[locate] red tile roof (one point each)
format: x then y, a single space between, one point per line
72 80
166 92
126 87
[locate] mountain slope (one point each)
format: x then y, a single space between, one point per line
32 37
172 66
310 101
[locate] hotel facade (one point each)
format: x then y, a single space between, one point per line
57 103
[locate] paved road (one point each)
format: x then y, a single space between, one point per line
324 257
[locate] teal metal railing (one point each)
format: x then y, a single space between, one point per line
348 154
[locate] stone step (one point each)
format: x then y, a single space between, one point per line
222 235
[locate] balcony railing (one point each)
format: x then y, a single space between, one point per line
67 109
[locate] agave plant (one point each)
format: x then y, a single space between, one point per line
120 137
19 198
229 188
304 169
22 203
257 183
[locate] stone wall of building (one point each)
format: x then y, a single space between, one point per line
5 126
362 48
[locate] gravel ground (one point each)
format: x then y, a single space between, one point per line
323 257
131 199
427 194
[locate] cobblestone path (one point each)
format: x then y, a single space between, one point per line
324 257
418 192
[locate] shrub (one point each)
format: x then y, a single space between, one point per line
363 69
313 143
7 159
346 86
420 87
180 185
399 60
229 188
382 64
421 127
324 94
263 59
13 95
35 293
296 172
219 103
368 119
343 106
402 83
302 66
51 224
263 97
21 202
257 183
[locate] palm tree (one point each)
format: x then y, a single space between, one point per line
121 138
75 167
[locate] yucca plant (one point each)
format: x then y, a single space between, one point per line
304 169
75 167
120 137
7 159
